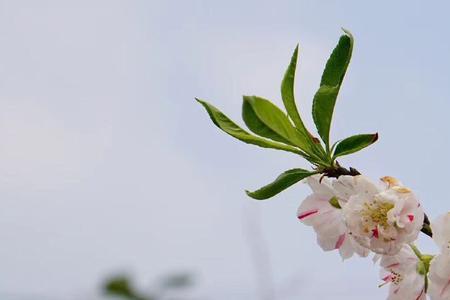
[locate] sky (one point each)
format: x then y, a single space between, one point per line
107 164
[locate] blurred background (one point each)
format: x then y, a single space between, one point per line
109 170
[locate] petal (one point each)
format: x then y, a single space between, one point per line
411 287
346 249
331 224
347 186
441 231
312 209
327 243
440 269
321 185
366 186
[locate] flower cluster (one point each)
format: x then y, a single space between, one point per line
349 212
353 215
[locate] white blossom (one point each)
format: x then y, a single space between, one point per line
439 274
383 217
401 273
321 211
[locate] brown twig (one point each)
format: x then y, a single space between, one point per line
340 171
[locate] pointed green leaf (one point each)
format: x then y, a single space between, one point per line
338 62
281 183
325 98
228 126
354 144
277 121
287 93
323 106
257 126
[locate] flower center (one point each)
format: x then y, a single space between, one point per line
393 277
376 212
396 278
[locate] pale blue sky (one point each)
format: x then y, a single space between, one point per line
108 164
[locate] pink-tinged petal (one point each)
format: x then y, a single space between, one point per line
327 243
320 185
311 204
307 214
346 250
445 288
421 294
329 224
340 241
394 265
441 230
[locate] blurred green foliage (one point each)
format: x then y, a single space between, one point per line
121 286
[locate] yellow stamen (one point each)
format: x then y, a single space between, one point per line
401 189
377 212
390 181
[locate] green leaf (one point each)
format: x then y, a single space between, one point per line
354 144
338 62
277 121
281 183
121 286
228 126
325 98
257 126
323 106
287 93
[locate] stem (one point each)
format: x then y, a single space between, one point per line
423 266
336 171
416 251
